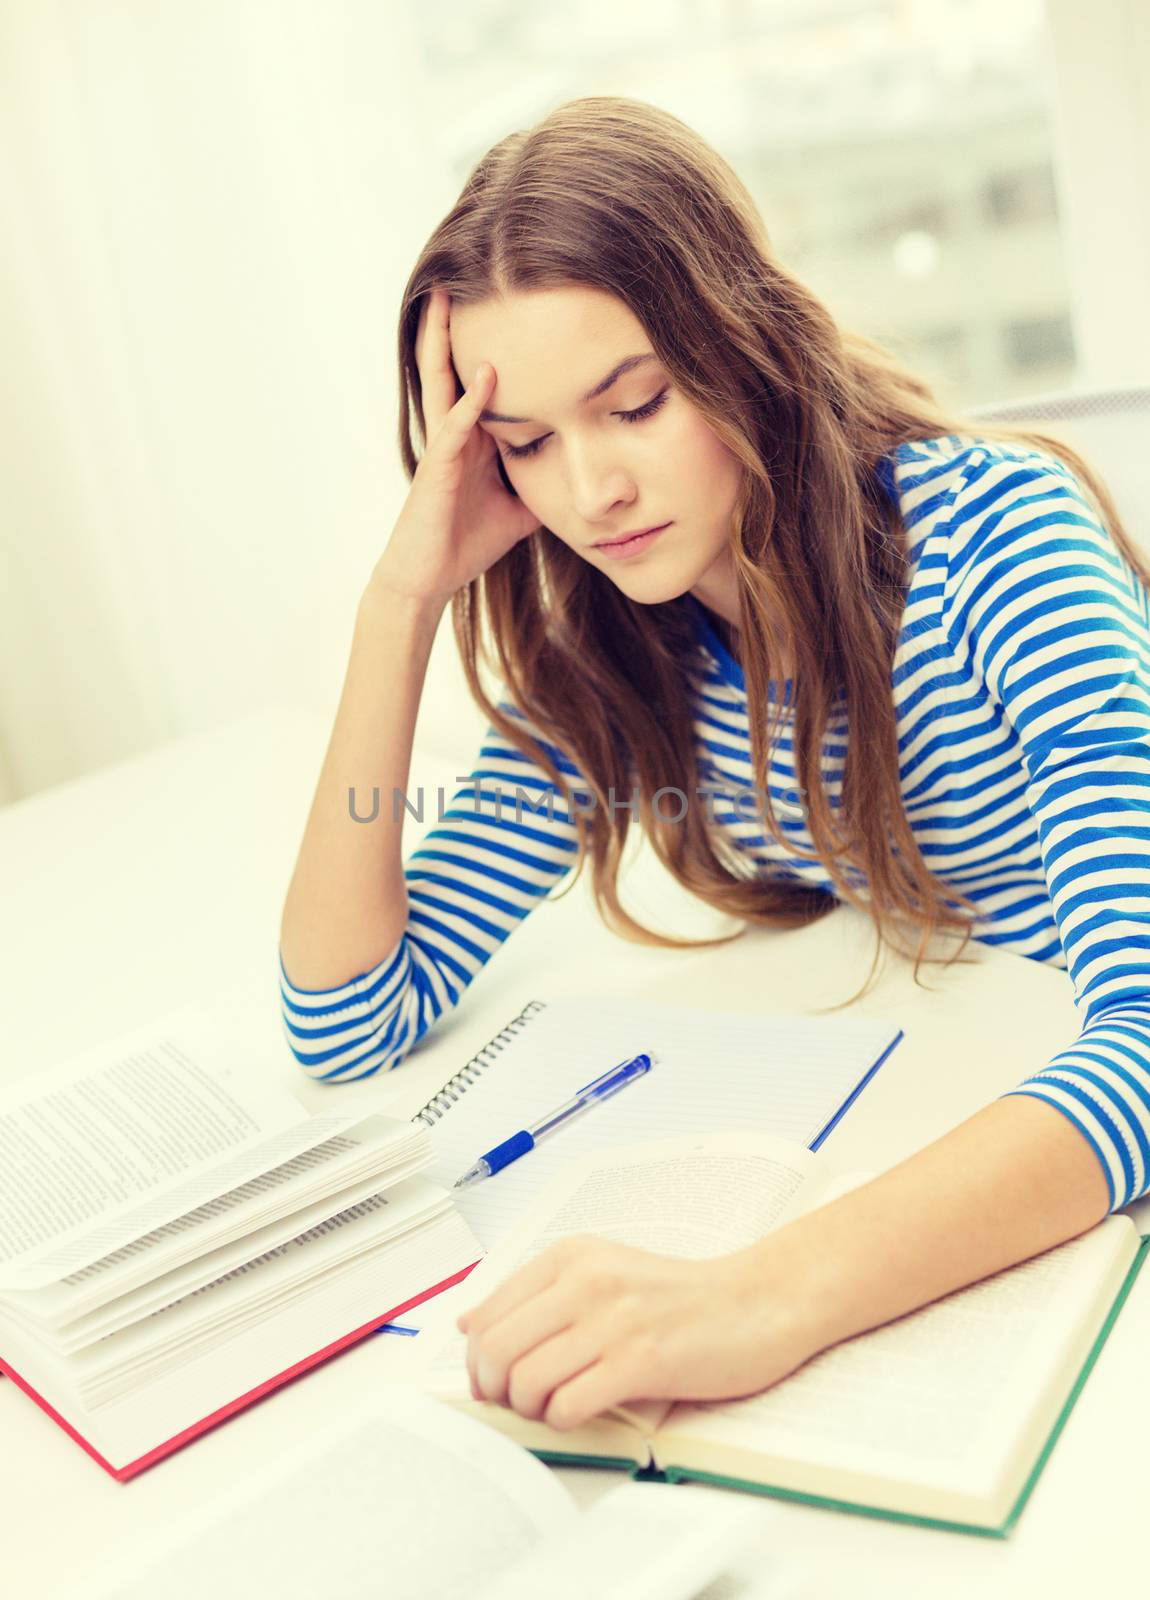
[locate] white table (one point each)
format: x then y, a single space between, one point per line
161 881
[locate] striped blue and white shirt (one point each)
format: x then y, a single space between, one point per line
1021 682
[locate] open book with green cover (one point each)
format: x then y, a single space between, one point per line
942 1417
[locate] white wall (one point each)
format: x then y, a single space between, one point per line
1101 59
208 213
208 209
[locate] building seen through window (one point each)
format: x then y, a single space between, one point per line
901 151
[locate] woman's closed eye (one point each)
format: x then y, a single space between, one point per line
649 410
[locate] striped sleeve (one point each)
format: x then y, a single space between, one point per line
506 839
1054 628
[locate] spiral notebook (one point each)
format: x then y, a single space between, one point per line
790 1075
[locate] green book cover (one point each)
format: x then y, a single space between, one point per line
674 1474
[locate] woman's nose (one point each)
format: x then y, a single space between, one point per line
599 489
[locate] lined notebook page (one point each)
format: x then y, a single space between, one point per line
716 1071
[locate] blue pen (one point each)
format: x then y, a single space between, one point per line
527 1138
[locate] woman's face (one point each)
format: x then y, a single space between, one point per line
586 468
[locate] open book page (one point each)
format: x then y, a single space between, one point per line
413 1500
253 1351
786 1076
377 1152
941 1396
692 1196
825 1185
652 1541
247 1294
207 1269
100 1150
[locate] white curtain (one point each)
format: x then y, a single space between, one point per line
208 209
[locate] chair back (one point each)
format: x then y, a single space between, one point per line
1110 428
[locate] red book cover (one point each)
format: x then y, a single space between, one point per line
122 1474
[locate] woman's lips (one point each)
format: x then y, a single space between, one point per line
631 547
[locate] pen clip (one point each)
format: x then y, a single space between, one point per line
620 1074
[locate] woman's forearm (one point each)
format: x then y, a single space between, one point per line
1014 1180
346 905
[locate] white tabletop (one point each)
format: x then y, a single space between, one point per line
160 882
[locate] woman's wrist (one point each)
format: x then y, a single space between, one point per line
1012 1181
782 1275
389 601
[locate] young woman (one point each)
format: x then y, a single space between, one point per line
924 648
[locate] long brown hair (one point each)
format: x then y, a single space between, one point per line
620 196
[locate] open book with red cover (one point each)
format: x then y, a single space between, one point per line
176 1241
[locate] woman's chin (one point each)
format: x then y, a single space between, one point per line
653 587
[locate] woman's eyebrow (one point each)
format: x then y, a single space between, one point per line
601 387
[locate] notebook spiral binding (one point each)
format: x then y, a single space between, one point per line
446 1097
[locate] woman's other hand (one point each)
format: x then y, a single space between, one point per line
590 1324
459 517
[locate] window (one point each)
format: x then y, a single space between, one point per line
1042 342
1011 198
900 151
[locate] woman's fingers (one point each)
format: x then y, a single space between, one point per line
550 1365
492 1353
464 414
589 1392
442 402
447 446
530 1279
433 358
